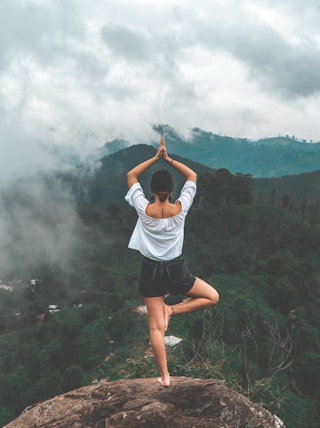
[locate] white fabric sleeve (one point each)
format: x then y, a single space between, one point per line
187 195
135 197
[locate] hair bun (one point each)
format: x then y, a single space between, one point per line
163 196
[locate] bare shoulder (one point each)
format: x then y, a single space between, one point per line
177 207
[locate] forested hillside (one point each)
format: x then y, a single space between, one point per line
68 291
297 193
266 157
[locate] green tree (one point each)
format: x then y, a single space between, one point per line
92 344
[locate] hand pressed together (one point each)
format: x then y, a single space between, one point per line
162 150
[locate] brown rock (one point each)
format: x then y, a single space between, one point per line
187 403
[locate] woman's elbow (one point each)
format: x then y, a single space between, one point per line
193 177
131 179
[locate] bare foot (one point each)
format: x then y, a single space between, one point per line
165 381
167 312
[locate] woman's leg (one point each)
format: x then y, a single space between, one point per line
202 294
157 325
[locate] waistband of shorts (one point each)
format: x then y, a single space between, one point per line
166 262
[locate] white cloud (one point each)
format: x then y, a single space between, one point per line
77 73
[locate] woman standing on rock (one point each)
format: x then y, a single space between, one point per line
158 235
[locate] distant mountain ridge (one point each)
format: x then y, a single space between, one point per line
270 157
104 182
264 158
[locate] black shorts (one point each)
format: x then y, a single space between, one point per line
158 278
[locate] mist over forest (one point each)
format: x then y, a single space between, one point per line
68 282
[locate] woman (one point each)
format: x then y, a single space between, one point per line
158 235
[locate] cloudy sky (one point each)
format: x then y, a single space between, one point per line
77 73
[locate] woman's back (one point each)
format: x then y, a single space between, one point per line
165 209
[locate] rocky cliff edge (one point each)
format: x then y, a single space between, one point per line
145 403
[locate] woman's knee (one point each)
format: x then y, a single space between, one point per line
157 328
214 297
156 324
202 289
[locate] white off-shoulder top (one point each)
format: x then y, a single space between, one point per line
159 239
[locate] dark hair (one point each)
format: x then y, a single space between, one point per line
162 184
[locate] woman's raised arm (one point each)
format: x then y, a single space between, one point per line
134 174
183 169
